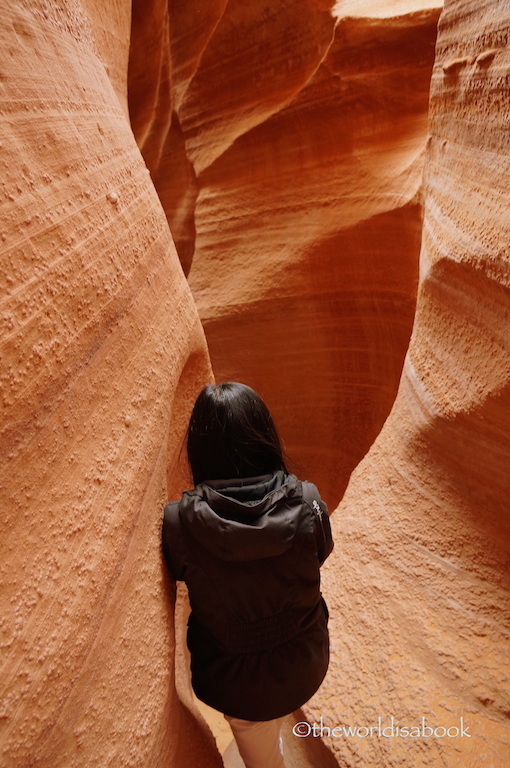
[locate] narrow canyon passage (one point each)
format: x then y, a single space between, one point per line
309 196
306 153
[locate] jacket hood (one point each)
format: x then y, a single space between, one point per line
243 519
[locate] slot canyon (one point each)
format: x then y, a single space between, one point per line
308 196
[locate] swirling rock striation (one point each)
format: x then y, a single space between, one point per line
305 126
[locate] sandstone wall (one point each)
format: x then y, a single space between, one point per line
297 139
418 584
286 144
102 354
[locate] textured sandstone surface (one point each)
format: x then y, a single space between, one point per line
418 584
286 144
303 126
102 354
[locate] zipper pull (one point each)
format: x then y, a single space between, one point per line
318 510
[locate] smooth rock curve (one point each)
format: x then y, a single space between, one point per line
308 228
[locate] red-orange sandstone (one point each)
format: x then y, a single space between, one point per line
102 354
286 143
307 149
418 583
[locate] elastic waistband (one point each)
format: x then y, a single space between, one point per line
269 632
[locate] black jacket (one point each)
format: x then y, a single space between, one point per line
249 551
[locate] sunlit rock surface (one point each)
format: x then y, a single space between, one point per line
418 584
102 355
301 130
286 143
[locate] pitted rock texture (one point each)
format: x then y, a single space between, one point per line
102 355
418 584
286 144
299 131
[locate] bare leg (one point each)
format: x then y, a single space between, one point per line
259 742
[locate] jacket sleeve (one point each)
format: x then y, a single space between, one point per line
172 541
321 524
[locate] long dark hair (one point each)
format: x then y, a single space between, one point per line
231 434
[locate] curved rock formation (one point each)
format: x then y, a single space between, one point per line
307 145
418 584
102 354
286 142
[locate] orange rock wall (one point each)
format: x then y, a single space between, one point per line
418 584
303 127
102 355
286 142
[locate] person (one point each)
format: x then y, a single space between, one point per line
249 540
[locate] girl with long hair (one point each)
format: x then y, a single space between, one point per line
249 540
